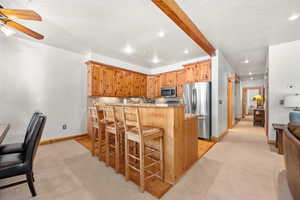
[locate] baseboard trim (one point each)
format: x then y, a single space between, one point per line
271 142
220 138
62 139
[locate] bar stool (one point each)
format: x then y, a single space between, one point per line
142 135
98 136
113 130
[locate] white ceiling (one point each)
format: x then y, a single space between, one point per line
239 28
106 27
245 28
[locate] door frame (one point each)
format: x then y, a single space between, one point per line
229 103
244 97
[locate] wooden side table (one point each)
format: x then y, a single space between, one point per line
279 131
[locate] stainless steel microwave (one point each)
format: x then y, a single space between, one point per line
168 92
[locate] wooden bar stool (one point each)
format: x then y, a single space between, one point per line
147 156
98 136
113 130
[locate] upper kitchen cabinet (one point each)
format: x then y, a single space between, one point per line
107 81
203 71
180 81
94 74
198 72
153 88
171 79
168 79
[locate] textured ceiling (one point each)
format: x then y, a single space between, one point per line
239 28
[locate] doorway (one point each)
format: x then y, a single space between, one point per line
230 104
247 100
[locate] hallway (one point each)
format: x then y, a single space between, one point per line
249 167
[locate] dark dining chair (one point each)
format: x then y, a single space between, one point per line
19 147
17 164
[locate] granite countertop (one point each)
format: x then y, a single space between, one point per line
142 104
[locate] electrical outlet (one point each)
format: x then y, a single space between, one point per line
64 126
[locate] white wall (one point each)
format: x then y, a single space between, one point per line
40 77
221 71
253 83
284 70
116 63
177 66
225 71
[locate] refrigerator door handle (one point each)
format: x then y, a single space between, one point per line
194 100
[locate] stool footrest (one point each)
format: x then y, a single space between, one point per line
156 174
136 169
134 157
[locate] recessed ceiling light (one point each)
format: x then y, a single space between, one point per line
246 61
250 73
155 60
186 51
161 34
251 78
293 17
128 49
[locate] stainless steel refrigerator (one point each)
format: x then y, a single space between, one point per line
197 100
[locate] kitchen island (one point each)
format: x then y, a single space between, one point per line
180 135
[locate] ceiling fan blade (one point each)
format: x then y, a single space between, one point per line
23 29
20 14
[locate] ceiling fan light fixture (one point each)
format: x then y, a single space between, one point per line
6 30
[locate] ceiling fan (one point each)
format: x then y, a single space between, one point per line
6 22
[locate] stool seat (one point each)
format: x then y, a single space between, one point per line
148 132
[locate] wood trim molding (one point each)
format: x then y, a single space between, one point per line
220 138
197 62
62 139
179 17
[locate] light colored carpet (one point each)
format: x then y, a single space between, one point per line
242 166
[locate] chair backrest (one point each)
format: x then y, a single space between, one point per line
109 114
29 128
34 141
131 118
94 116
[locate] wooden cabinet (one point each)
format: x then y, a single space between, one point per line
198 72
171 79
180 81
153 88
93 81
107 81
167 79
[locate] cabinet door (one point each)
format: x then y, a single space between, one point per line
120 86
205 74
128 84
163 80
151 86
108 82
94 76
180 77
171 79
189 73
135 89
143 86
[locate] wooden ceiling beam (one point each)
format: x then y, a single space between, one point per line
177 15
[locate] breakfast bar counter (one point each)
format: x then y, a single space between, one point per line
180 135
